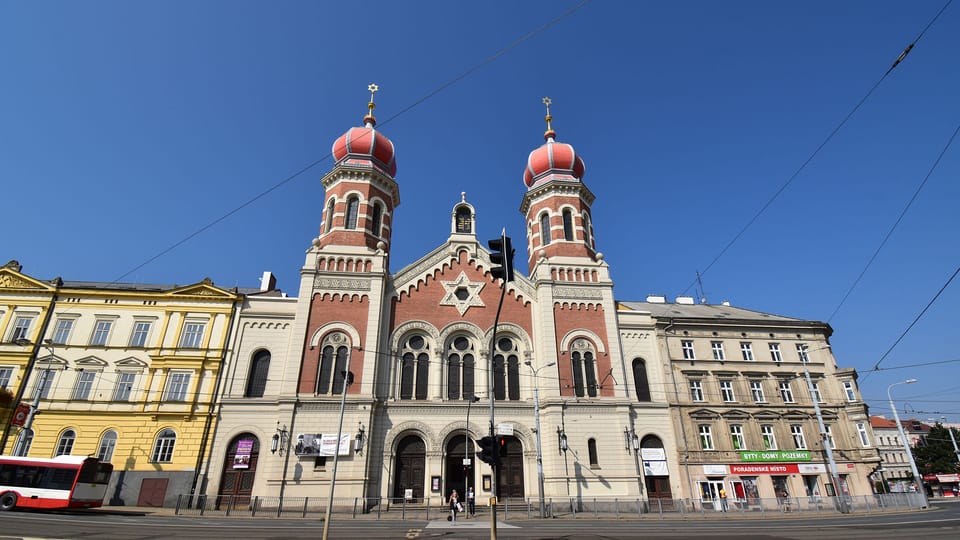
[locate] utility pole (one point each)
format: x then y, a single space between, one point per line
347 380
536 417
952 439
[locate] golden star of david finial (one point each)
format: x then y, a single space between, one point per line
372 87
549 133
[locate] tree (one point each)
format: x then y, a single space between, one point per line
934 454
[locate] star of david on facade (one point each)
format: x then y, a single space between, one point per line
462 293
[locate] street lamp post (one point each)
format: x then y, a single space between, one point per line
536 416
953 439
827 443
906 442
22 448
347 380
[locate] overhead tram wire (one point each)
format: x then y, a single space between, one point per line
896 223
526 37
817 150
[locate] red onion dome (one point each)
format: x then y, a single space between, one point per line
366 144
552 157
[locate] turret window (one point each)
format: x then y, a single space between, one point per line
584 369
587 237
567 226
353 210
463 221
329 221
545 229
333 364
377 220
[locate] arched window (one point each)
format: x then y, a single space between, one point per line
463 221
592 451
377 220
257 379
584 369
108 443
587 237
65 444
163 447
640 379
461 355
414 368
333 362
329 221
24 442
506 370
353 211
544 229
567 226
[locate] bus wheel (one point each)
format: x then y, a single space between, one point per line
8 501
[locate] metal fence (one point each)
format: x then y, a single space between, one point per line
565 507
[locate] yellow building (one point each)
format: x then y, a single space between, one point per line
127 372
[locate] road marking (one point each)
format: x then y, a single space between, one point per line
414 533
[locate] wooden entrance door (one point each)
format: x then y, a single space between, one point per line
239 471
510 477
410 468
152 492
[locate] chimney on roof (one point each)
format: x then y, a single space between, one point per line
725 303
686 300
656 299
268 282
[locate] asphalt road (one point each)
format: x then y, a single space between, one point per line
942 521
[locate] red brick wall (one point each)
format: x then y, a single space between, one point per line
326 308
569 318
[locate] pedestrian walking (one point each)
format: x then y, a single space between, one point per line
471 501
455 505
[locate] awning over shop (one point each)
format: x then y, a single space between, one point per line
948 478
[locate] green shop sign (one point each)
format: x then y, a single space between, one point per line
776 455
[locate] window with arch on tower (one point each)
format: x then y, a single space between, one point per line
329 221
506 370
377 220
583 359
545 229
587 238
464 224
414 367
353 212
568 225
257 378
461 360
333 363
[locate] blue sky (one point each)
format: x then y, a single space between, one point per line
127 126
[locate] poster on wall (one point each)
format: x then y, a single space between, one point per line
319 444
241 460
655 468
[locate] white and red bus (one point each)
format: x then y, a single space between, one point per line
61 482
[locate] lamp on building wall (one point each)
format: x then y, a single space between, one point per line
279 440
630 440
358 441
562 438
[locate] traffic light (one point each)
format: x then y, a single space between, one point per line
502 443
502 257
489 453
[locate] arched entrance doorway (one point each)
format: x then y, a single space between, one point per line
410 468
510 478
457 475
239 470
655 471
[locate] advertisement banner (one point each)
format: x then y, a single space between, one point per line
320 444
20 415
655 468
751 470
653 454
776 455
241 460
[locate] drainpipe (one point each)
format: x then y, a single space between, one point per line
214 401
28 370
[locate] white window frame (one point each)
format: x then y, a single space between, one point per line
192 335
140 333
768 436
736 437
107 446
717 348
6 373
726 391
786 392
62 330
101 332
44 383
84 386
799 440
746 349
775 353
862 432
164 446
816 392
21 328
829 435
696 390
65 443
849 391
706 437
688 352
123 386
178 386
803 353
756 390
